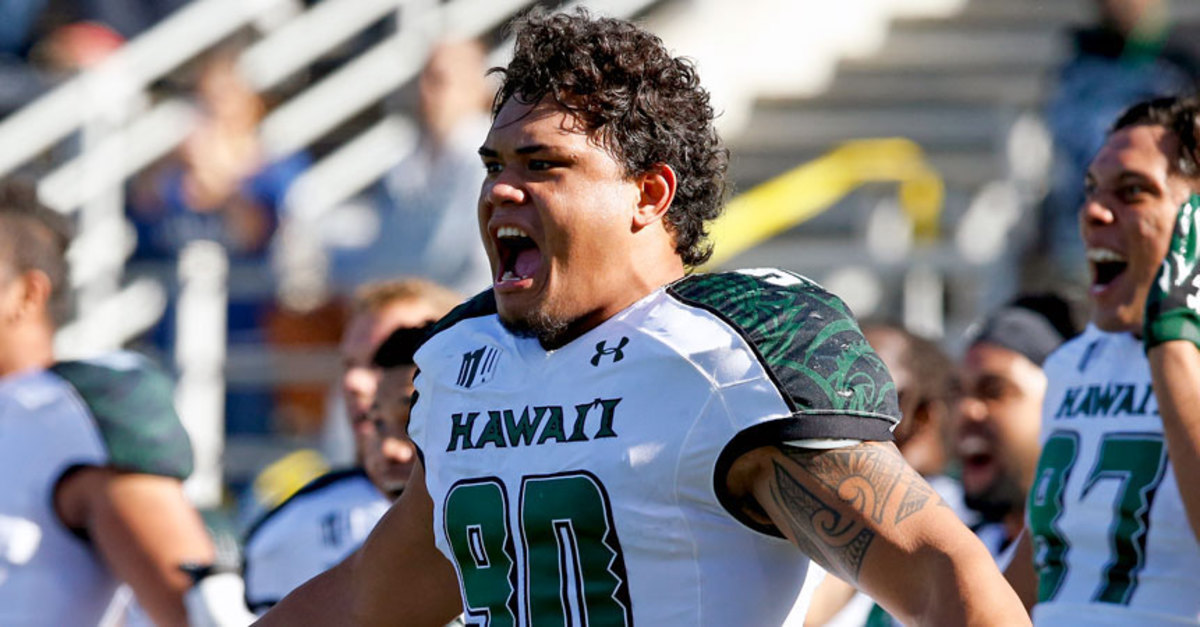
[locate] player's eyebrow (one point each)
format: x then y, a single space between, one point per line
489 153
1132 176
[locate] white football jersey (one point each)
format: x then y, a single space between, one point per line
75 414
307 534
1112 543
586 485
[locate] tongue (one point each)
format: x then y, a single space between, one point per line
527 263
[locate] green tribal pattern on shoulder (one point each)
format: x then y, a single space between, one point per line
133 406
806 336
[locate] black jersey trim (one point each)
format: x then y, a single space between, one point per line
481 305
260 607
420 453
802 426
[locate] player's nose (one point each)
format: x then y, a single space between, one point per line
398 450
971 409
504 189
1094 213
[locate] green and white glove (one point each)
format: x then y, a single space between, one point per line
1173 306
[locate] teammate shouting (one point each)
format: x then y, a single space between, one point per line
1114 511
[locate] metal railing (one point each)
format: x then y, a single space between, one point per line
119 133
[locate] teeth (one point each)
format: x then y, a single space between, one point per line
973 445
510 231
509 275
1104 255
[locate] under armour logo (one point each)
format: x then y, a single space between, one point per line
602 351
477 366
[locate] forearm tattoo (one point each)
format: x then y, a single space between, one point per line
874 487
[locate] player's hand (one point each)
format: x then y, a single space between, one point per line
1173 306
216 598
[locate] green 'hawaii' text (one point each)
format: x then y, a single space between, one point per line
534 426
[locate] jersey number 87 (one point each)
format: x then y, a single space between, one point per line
1138 461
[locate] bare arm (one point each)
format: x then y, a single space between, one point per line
866 516
1020 572
144 528
830 598
1175 368
398 576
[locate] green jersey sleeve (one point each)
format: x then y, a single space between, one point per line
808 341
132 404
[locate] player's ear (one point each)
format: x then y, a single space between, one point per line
33 297
657 187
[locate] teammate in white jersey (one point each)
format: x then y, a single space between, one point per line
332 515
606 440
92 454
1114 511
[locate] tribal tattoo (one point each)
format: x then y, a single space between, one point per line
873 486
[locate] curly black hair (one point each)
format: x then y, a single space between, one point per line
1178 114
641 104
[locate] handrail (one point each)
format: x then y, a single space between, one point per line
811 188
270 61
119 156
122 77
372 75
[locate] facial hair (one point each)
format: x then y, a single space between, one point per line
1003 497
550 331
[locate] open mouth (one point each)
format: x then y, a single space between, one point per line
1107 265
978 459
520 258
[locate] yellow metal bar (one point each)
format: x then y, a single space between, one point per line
809 189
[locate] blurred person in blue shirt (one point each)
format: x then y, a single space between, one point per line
427 201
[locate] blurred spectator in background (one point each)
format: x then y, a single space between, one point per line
999 413
127 17
428 226
322 522
925 385
93 454
41 40
389 457
1132 53
378 309
38 45
220 186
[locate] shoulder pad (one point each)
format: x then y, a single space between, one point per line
132 404
319 483
805 336
480 305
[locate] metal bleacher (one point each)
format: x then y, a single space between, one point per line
967 88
